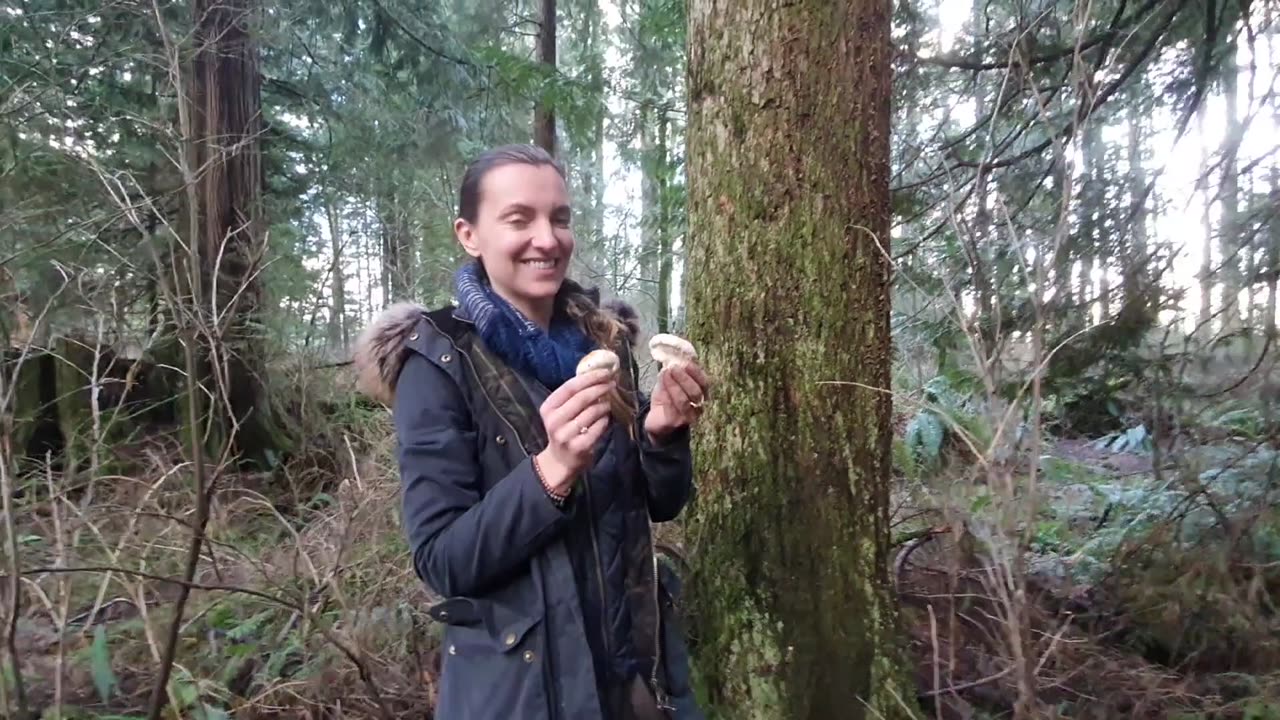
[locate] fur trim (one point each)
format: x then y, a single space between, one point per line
379 351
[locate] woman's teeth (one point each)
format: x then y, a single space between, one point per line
541 264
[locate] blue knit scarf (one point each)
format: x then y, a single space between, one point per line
551 356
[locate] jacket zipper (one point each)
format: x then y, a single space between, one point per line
595 549
658 693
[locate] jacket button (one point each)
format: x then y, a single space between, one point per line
446 357
511 639
501 440
453 649
413 337
528 656
444 614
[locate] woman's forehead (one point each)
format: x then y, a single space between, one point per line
537 186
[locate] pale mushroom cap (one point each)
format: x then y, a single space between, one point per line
598 360
667 349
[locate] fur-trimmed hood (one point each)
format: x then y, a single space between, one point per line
380 347
379 350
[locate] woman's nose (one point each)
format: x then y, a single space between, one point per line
544 235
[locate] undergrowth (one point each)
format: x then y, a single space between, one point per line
304 601
1150 550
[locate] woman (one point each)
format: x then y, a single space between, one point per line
528 491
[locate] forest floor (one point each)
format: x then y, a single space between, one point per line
304 603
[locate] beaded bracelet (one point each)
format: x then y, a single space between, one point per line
556 498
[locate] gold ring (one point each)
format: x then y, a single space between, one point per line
582 430
695 404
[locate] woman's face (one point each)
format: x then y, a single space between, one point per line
522 234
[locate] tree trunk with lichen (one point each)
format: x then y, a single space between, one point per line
788 161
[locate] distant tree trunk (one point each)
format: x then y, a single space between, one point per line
372 249
544 116
648 194
338 337
1273 256
656 220
596 58
1090 211
788 160
981 271
398 261
1063 257
1231 247
1206 257
226 117
665 230
1137 270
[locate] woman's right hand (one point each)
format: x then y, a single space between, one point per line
575 416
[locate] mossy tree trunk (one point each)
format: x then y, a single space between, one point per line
788 157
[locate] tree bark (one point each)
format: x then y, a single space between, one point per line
788 158
544 116
226 116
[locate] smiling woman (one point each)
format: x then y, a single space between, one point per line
523 236
528 489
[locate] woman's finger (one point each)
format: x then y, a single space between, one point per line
698 375
660 394
684 379
678 397
574 386
566 431
575 405
583 442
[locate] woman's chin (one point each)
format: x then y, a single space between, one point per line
542 288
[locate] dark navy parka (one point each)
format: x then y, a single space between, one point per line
545 609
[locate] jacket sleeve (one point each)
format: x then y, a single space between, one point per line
463 540
667 468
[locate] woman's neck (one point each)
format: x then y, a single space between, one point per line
539 312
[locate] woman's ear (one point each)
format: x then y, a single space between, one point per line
466 235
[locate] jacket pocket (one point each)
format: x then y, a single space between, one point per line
492 662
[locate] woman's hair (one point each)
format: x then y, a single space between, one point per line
469 191
599 325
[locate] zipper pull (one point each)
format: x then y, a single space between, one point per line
661 698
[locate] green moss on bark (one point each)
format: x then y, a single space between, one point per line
788 288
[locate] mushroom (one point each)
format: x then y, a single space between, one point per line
671 350
598 360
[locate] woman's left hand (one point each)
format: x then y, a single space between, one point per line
677 400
